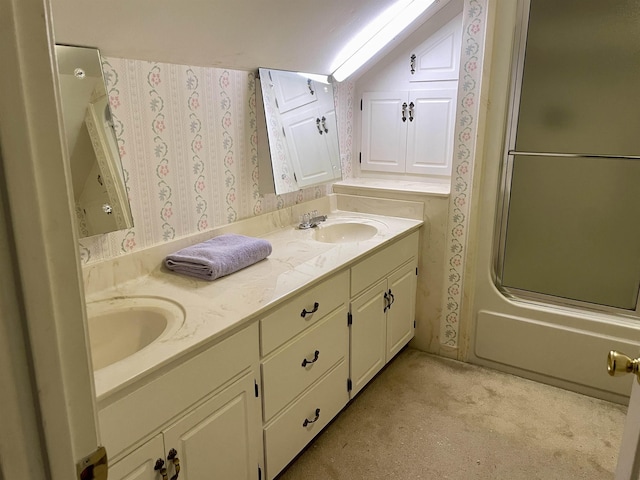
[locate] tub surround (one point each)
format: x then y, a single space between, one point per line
214 310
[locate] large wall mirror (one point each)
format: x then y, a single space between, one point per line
100 195
301 130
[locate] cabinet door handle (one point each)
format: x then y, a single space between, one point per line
412 64
387 304
307 421
159 467
324 125
306 362
391 298
411 105
173 456
404 112
318 125
310 87
305 312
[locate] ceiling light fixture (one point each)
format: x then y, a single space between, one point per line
372 38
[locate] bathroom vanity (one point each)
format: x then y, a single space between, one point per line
263 359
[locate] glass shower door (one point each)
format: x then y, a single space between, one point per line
573 229
570 228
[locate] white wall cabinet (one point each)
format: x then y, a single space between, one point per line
383 315
408 109
409 131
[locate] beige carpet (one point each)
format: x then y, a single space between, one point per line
426 417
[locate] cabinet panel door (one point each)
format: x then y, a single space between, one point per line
401 314
384 133
431 127
368 336
222 438
308 146
439 57
139 464
292 90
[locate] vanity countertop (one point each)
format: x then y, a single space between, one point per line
215 309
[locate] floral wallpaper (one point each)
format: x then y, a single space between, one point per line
473 32
188 142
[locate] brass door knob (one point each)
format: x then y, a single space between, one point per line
621 364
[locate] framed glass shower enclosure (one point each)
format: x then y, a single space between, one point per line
569 229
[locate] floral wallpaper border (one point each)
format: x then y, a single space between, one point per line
473 32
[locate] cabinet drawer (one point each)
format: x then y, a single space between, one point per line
370 270
287 434
288 372
134 416
287 321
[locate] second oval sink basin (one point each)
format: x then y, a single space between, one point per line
121 327
345 232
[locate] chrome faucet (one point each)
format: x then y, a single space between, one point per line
311 220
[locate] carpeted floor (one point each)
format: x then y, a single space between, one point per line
426 417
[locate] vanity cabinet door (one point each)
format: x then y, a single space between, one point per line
401 313
139 464
368 335
221 438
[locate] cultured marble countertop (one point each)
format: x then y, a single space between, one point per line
215 309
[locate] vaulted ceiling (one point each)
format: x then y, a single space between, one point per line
242 34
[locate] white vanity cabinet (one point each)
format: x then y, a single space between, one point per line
305 368
212 435
383 289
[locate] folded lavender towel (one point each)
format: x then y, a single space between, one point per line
219 256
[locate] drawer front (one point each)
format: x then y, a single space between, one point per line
146 409
292 369
287 435
287 320
370 270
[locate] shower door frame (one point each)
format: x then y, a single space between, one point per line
504 193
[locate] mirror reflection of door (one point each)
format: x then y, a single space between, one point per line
302 129
101 200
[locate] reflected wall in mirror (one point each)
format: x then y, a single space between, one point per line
302 131
100 195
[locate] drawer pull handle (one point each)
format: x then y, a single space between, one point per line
307 421
306 362
160 468
173 456
304 313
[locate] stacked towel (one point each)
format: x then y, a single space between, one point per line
219 256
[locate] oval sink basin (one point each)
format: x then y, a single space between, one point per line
345 232
121 327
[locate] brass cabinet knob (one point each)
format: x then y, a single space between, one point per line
621 364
